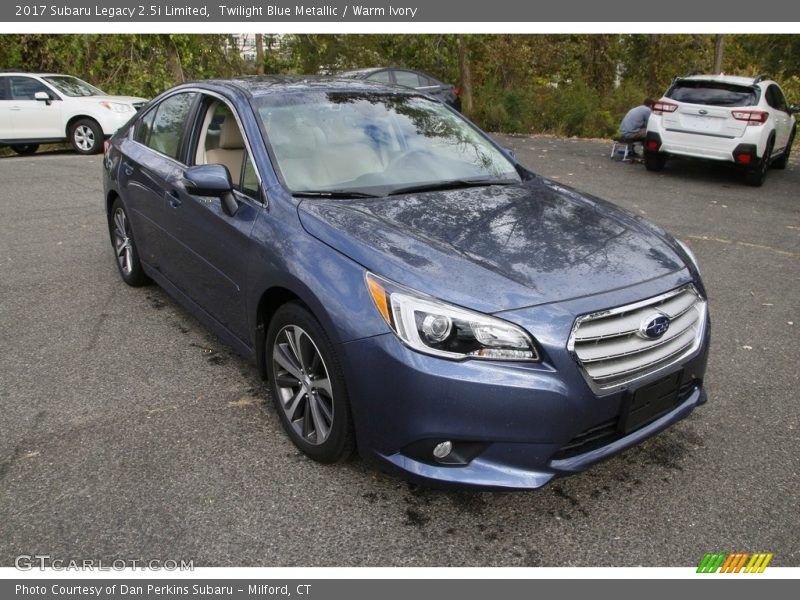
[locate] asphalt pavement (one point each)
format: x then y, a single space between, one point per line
128 431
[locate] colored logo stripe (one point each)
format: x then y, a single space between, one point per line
711 562
758 563
734 563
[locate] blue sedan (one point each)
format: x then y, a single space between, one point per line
408 289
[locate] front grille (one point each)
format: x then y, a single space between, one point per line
612 351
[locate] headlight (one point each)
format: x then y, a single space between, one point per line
117 107
690 254
434 327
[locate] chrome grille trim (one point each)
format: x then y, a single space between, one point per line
611 355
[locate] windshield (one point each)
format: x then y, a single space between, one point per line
72 86
375 143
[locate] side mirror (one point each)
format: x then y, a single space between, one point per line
42 97
212 180
794 108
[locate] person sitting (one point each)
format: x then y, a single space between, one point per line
634 125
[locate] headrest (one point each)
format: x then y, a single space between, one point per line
230 138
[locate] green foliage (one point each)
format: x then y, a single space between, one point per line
579 85
143 65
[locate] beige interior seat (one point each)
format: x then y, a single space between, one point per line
231 149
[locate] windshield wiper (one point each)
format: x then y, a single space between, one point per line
333 194
451 184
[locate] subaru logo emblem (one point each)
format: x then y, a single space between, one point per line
703 111
654 326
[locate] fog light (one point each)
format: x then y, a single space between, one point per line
442 449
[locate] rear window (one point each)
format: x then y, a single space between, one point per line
713 93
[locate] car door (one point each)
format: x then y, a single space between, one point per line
149 166
34 119
213 246
6 132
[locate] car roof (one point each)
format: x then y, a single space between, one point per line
263 85
33 73
363 72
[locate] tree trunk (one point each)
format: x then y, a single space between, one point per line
652 77
466 75
260 53
174 60
719 48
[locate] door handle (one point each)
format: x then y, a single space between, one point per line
128 168
173 199
15 108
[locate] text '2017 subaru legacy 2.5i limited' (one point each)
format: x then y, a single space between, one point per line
408 289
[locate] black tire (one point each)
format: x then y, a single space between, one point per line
25 149
86 136
653 161
309 392
756 175
783 159
125 253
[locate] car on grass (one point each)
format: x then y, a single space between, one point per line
422 82
743 120
406 286
45 108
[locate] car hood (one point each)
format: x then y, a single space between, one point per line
496 248
121 99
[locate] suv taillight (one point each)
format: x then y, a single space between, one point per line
753 117
660 108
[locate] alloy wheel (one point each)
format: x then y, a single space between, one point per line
84 137
303 384
123 245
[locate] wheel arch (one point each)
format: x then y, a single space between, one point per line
79 117
268 304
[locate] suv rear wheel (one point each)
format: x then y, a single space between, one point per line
653 161
756 175
25 149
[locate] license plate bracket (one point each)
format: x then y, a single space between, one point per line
651 401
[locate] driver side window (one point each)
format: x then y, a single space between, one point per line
221 142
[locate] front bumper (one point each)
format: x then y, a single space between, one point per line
518 422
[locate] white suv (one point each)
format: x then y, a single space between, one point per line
38 108
742 120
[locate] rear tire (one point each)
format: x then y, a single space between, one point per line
653 161
755 176
25 149
783 159
125 252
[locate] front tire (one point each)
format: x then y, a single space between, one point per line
128 264
307 385
25 149
86 136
